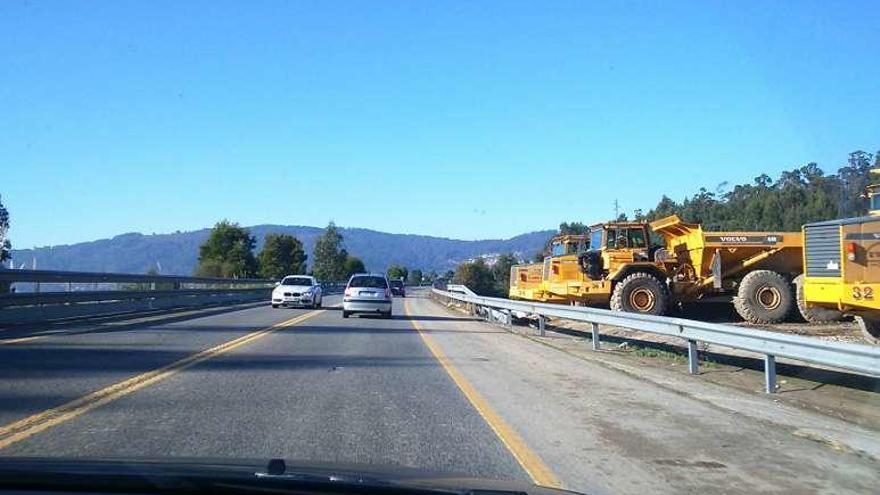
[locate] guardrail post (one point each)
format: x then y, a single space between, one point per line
509 318
596 344
770 374
693 358
542 323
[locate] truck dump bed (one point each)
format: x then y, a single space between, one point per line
710 258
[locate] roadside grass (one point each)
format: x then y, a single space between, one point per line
662 354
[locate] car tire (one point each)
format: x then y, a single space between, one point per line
320 303
345 314
274 306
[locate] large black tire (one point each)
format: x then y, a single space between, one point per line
764 297
345 314
640 292
813 315
870 329
274 306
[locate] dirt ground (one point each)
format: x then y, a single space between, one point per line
721 312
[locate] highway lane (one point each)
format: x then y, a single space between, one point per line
57 368
362 390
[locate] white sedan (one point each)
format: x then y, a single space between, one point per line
299 291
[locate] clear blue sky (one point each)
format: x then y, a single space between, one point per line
467 120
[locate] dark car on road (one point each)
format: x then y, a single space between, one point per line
397 288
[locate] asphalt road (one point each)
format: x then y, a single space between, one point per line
357 390
428 389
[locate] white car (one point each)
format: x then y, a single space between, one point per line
300 291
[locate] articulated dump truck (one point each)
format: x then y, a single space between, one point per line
617 266
842 275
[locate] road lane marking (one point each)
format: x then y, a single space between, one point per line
534 466
24 428
22 340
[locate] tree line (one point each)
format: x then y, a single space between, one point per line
229 253
798 196
415 276
484 278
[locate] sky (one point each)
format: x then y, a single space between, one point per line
469 120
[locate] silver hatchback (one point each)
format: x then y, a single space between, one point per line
367 293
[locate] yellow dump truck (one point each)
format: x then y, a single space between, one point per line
842 269
618 266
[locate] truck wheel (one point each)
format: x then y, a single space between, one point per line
640 292
870 328
815 315
345 314
764 297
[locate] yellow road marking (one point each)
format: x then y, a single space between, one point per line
27 427
527 458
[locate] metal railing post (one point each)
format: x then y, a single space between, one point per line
693 358
770 374
542 324
595 328
509 318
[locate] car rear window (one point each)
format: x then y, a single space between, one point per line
296 281
371 282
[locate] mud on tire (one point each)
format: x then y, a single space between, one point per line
640 292
764 297
813 315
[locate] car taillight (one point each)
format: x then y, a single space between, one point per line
347 292
851 251
387 293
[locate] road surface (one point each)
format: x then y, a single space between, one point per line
427 389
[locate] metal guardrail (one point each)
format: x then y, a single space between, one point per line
63 277
35 298
78 294
859 358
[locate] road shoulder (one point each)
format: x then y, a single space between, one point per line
605 429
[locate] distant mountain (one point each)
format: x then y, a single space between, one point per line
177 253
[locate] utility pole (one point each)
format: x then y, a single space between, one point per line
616 210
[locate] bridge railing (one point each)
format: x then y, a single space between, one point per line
863 359
36 295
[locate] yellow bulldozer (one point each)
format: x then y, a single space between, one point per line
842 269
617 265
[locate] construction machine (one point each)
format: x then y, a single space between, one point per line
842 269
619 266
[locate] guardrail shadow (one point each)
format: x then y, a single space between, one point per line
95 324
